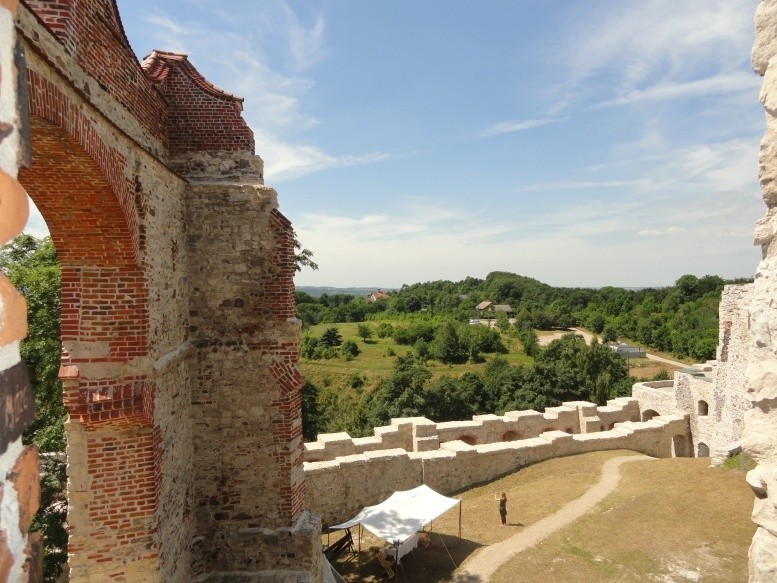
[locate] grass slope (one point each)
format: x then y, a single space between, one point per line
669 520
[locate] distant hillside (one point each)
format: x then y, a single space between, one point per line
317 292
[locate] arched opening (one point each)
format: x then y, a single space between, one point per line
649 414
612 426
548 429
512 435
703 409
702 450
104 326
569 430
468 439
680 446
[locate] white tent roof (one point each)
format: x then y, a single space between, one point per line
402 514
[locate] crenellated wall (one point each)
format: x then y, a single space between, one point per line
421 434
340 487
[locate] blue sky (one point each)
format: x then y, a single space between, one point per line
580 142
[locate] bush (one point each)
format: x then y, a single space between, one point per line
385 330
349 349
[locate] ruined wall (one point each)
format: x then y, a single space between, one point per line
121 162
338 488
730 402
759 437
421 434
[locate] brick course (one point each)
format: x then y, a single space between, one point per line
169 382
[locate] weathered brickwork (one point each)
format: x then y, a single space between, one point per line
91 34
121 161
214 124
246 350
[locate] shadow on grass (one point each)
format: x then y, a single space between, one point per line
435 563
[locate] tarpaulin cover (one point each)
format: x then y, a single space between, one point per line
402 514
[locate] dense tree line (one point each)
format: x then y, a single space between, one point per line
681 319
568 369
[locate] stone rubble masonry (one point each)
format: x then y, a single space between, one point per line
338 488
159 313
421 434
759 437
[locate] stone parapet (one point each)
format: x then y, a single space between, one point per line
338 488
421 434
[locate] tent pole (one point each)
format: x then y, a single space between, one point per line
360 537
396 562
459 519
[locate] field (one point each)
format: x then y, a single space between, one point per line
375 360
669 520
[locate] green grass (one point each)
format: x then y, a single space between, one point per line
375 363
668 520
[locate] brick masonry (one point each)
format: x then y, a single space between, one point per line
159 314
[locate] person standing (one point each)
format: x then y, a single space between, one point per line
503 508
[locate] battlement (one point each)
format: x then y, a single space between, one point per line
337 488
418 434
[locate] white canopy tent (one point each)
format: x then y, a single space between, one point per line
403 514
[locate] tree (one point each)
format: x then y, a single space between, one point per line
401 395
311 412
364 331
349 349
31 265
331 337
445 346
303 257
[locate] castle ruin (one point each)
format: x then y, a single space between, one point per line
185 454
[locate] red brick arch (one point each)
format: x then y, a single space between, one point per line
103 289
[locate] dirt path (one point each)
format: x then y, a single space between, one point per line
548 338
482 565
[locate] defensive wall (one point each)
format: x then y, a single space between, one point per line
343 474
711 394
420 434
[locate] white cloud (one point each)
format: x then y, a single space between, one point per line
724 83
662 49
286 160
262 56
507 127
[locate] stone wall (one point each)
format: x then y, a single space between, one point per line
421 434
711 394
759 437
338 488
177 289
